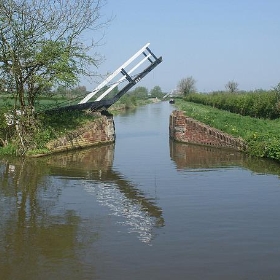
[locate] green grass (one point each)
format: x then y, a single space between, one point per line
261 135
56 124
48 127
42 103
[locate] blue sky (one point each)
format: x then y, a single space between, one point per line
213 41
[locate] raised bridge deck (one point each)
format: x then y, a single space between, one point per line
101 104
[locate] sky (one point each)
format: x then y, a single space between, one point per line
213 41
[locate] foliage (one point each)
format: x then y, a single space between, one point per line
140 93
186 86
47 127
232 86
62 120
54 125
125 102
3 129
6 131
156 92
135 98
259 103
276 90
261 135
8 150
41 46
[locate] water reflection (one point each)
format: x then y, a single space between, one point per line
36 230
195 156
111 189
189 156
30 236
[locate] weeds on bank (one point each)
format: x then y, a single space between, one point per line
58 123
47 127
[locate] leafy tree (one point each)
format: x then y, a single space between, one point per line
79 91
156 92
276 89
232 86
186 86
140 92
41 46
61 90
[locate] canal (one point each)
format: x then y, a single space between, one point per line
142 208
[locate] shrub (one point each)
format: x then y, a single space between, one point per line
259 104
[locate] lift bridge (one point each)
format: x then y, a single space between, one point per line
101 104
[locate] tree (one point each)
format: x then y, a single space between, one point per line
156 92
232 86
41 44
140 92
276 89
79 91
186 86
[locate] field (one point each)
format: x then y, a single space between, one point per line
7 101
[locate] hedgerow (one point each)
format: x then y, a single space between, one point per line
257 104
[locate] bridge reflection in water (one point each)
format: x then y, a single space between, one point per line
37 230
111 189
94 167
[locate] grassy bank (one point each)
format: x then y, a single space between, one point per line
47 128
261 135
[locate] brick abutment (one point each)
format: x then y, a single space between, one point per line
188 130
99 131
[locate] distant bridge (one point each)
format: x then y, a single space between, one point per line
101 104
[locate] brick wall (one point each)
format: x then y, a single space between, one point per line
100 131
188 130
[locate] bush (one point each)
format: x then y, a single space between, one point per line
258 104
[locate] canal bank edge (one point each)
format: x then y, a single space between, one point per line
99 131
187 130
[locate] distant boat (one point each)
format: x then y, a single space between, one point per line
171 101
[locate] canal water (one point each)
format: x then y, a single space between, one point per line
142 208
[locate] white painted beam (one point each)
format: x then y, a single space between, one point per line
122 79
113 75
